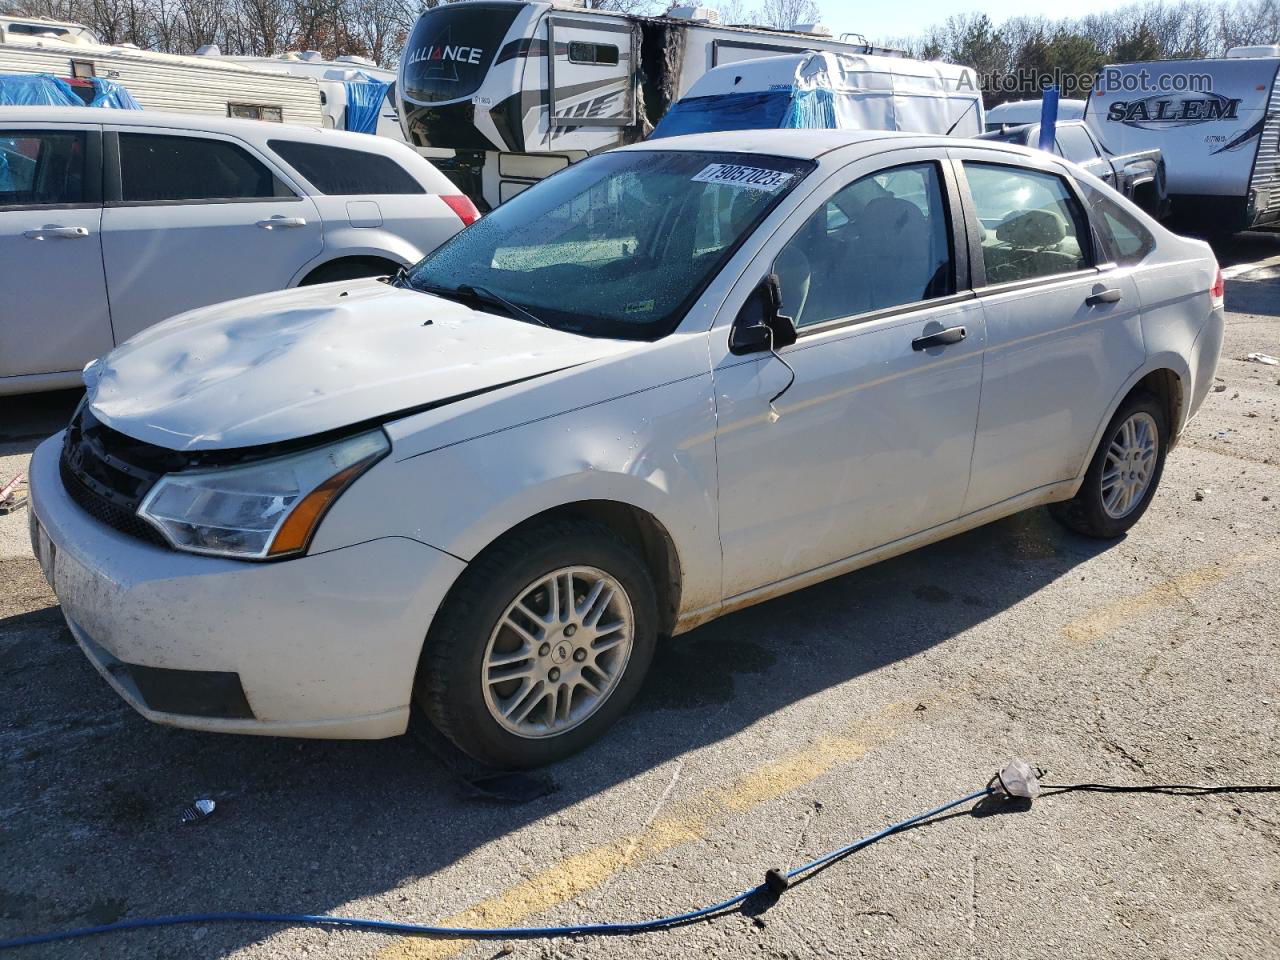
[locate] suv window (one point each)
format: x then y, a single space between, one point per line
1075 144
1124 233
882 241
338 170
160 167
40 167
1031 224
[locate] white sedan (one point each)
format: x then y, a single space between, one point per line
112 220
671 381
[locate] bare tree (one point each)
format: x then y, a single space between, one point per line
785 14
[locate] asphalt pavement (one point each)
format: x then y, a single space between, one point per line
760 740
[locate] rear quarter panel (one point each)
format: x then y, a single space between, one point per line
1176 307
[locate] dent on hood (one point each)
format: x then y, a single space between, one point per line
303 362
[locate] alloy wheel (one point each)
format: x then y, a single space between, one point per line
558 652
1129 464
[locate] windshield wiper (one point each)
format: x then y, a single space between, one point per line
399 279
485 295
468 291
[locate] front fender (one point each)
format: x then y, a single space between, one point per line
653 450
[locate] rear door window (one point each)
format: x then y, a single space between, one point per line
161 167
41 167
338 170
1031 224
1129 240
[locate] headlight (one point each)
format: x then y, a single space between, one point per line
261 510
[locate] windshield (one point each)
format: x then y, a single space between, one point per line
618 245
452 47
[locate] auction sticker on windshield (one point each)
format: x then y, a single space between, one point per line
735 174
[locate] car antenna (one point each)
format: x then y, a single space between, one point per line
959 118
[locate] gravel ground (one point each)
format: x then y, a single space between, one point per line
760 740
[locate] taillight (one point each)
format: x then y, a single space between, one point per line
463 207
1219 288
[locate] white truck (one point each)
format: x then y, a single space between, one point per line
835 91
501 93
206 86
1216 123
1013 113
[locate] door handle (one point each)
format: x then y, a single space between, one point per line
942 338
55 232
279 221
1099 297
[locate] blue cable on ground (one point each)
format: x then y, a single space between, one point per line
487 933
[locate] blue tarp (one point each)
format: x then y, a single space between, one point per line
364 104
729 111
769 110
108 93
36 90
46 90
812 110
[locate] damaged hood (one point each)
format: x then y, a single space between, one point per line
291 364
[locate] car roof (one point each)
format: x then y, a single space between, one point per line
246 129
809 144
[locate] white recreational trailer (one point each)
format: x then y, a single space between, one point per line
501 93
16 25
161 81
1217 124
333 77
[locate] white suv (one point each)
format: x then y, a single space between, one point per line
113 220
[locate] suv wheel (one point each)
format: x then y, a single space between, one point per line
1124 473
542 644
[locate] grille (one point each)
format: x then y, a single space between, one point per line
104 511
108 474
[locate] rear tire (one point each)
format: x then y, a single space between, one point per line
1124 473
504 629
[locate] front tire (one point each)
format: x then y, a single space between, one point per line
541 645
1124 473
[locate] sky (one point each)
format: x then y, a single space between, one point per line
879 21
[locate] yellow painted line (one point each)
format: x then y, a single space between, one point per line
690 821
1103 620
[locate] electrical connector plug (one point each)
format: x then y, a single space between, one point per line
1016 779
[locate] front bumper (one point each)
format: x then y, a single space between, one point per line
321 646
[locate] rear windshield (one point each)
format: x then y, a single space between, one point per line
451 48
619 245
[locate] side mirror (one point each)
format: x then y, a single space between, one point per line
759 325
